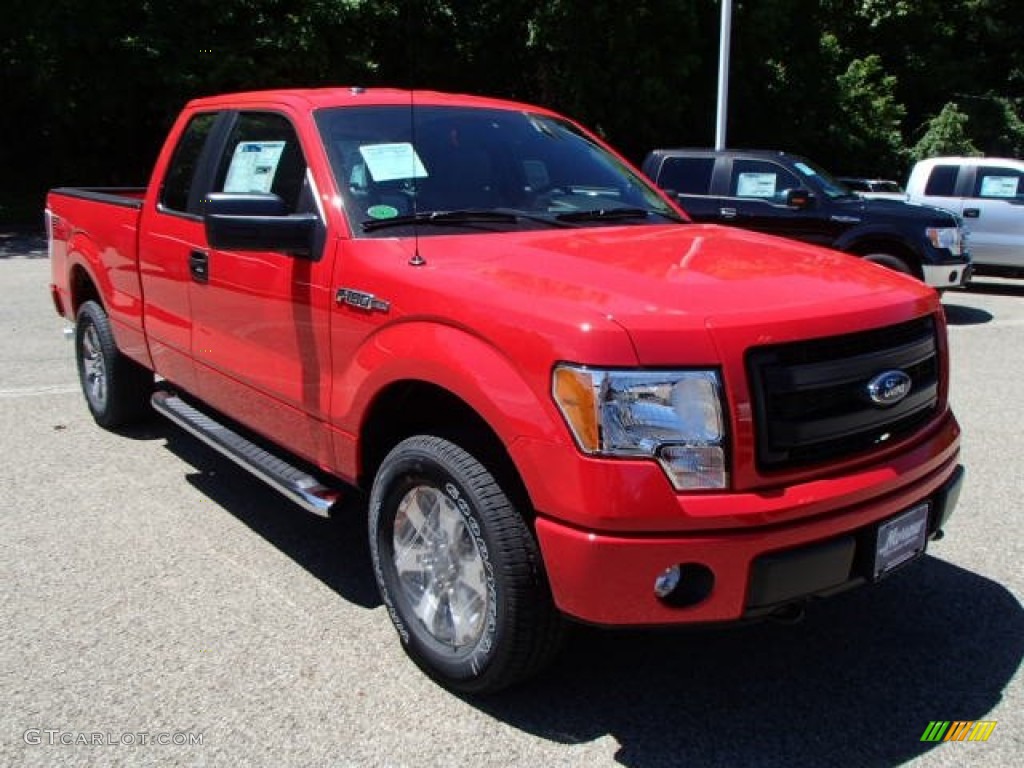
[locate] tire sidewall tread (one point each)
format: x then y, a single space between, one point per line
128 384
523 629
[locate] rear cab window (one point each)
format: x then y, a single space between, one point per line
178 182
687 175
942 181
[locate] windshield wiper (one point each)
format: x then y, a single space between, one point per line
604 214
442 218
459 217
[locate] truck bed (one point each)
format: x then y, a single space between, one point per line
94 239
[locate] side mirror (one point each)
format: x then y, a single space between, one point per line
799 198
257 221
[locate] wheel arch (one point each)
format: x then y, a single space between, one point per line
87 278
416 407
82 287
887 244
444 380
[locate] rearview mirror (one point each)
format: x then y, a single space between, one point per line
257 221
799 198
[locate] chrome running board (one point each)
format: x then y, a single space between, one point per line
298 485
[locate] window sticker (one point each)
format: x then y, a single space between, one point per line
756 185
999 186
387 162
253 166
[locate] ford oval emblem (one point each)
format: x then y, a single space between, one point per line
889 387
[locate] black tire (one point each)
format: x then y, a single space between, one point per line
116 388
480 570
890 261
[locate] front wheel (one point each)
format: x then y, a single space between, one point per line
458 569
895 263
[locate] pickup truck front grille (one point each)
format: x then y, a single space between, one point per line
811 401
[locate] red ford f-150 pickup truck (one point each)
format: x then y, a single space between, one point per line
560 397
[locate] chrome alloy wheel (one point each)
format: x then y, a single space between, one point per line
94 367
440 568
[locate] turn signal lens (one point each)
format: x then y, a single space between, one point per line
574 393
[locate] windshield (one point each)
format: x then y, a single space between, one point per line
395 166
831 186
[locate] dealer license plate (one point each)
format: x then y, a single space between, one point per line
901 539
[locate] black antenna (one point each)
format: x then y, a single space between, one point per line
416 260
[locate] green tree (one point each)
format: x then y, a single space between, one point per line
870 118
785 64
640 75
96 85
945 134
996 124
852 83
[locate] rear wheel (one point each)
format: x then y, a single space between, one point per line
458 569
116 389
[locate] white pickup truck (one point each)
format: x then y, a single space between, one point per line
988 194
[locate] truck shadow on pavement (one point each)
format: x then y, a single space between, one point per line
336 551
957 314
1008 287
22 245
856 683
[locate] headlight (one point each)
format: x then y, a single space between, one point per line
674 417
946 237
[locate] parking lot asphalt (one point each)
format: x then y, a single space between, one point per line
161 607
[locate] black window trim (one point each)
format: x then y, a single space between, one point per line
964 187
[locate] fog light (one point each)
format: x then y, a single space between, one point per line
667 581
684 585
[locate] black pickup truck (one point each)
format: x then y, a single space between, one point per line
787 195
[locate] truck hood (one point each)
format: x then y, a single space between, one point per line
875 209
658 281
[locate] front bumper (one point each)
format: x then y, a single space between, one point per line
609 579
954 275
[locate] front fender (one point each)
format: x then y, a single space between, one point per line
512 398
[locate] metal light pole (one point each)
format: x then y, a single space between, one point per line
723 73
